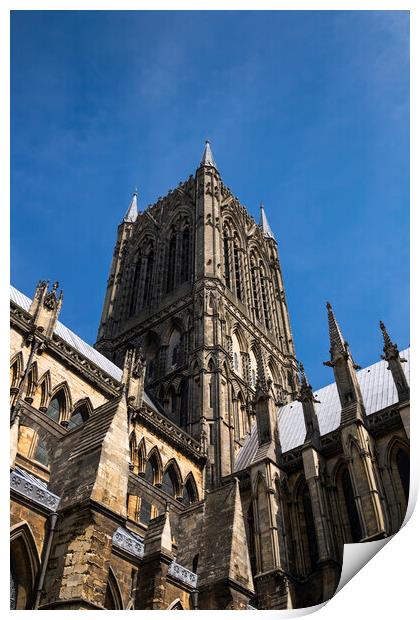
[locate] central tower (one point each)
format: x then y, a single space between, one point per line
196 282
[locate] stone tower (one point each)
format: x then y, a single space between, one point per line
197 284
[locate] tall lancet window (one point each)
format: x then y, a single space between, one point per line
226 256
148 277
237 266
185 255
170 282
254 283
135 287
264 297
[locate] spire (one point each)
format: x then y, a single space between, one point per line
267 232
131 214
208 159
392 356
341 361
338 346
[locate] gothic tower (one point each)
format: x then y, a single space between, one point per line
196 283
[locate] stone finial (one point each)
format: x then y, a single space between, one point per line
132 211
392 356
267 232
208 159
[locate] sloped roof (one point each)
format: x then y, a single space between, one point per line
79 345
378 391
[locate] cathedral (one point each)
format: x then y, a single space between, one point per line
184 461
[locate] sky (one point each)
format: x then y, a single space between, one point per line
307 112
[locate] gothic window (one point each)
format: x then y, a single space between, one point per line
238 269
174 349
56 407
251 538
185 255
254 284
170 282
236 355
170 482
40 453
79 417
253 364
264 297
153 468
195 563
350 505
135 287
226 255
403 466
189 495
24 565
183 408
148 278
112 594
172 404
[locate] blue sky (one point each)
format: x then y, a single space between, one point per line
306 111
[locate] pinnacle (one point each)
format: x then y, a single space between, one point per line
267 232
208 159
131 214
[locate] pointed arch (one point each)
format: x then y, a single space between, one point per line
43 391
31 382
24 565
398 464
176 604
190 493
81 413
113 598
172 479
16 369
141 456
60 405
154 469
348 512
132 445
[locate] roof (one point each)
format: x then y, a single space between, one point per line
131 214
378 391
80 345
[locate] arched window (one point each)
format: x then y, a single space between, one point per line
153 467
254 372
40 453
264 297
403 466
174 349
189 495
172 403
350 505
254 284
168 484
78 417
148 278
236 355
135 286
226 256
238 268
185 255
170 281
56 407
24 566
183 407
112 594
